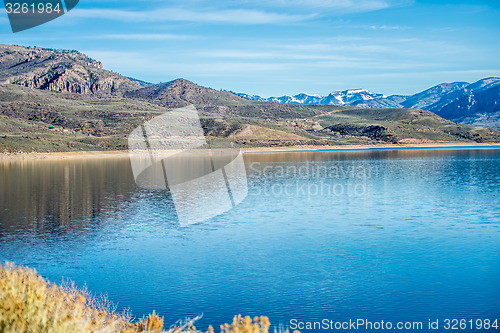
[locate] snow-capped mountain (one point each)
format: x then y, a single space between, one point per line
346 97
477 103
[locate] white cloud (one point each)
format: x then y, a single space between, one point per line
344 6
331 6
459 74
133 36
388 27
233 16
158 64
287 55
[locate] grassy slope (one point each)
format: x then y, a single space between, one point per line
411 124
80 122
85 122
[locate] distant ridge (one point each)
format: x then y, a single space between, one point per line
476 104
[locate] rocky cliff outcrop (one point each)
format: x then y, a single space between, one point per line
59 70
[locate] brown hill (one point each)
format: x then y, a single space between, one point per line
59 70
182 92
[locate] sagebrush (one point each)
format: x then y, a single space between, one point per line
29 303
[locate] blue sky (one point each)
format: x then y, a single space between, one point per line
282 47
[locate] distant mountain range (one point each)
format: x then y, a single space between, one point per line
62 100
476 104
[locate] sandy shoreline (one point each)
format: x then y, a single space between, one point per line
369 147
125 154
65 155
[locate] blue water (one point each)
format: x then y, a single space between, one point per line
379 235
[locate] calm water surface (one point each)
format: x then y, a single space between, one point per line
381 235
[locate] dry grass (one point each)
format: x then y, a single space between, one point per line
245 325
28 303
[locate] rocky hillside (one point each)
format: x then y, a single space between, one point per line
59 70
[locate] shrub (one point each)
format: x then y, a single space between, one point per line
28 303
